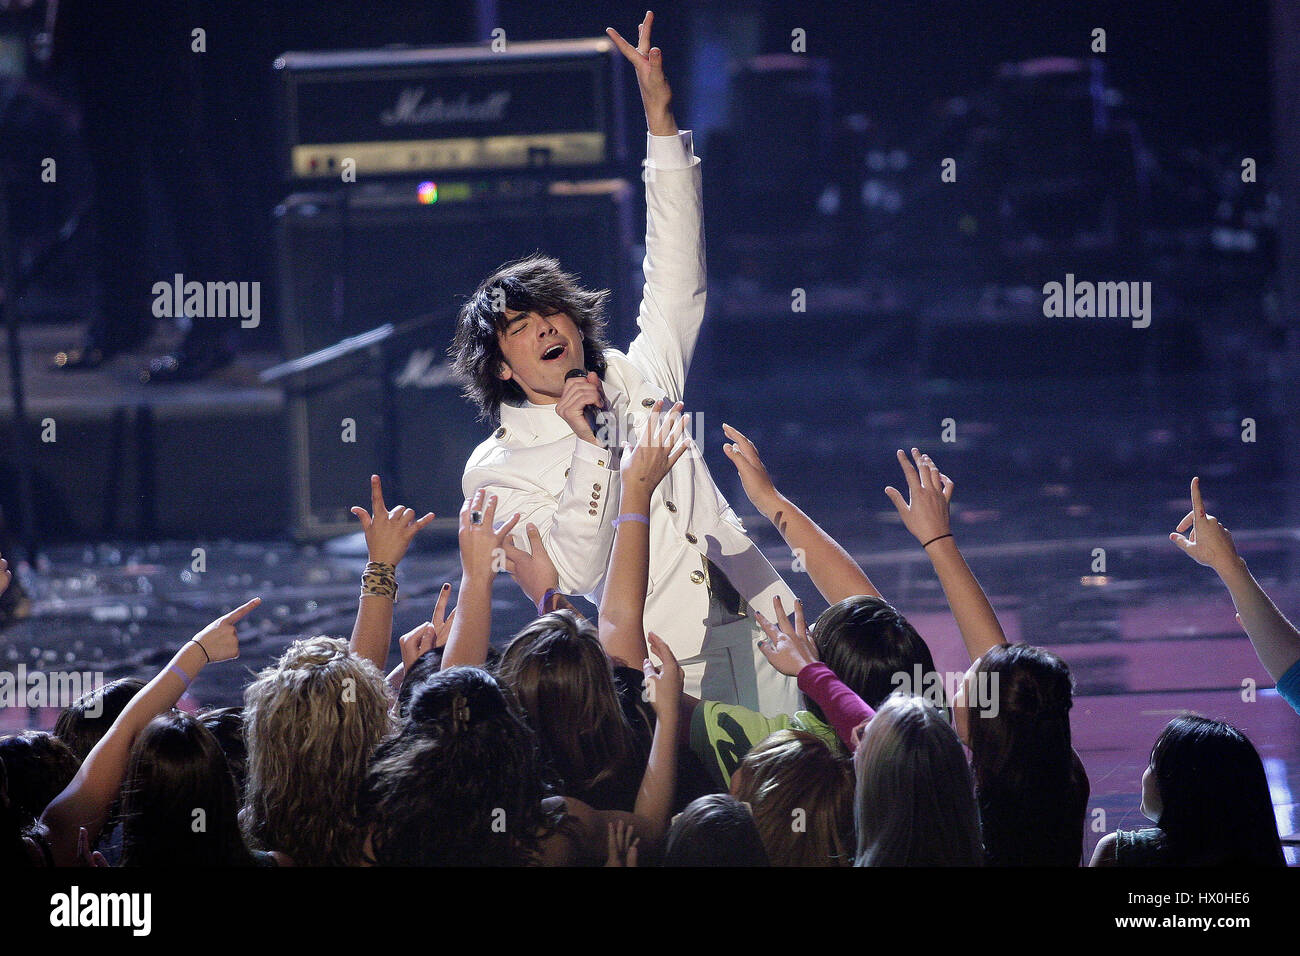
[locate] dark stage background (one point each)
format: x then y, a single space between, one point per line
923 305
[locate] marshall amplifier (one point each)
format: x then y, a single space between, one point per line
553 104
356 258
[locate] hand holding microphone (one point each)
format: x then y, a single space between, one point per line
581 404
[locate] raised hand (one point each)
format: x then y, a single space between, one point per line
1209 543
926 513
787 646
663 685
663 442
760 491
220 639
533 569
482 546
622 844
388 533
648 61
432 633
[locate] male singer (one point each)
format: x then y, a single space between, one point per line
525 328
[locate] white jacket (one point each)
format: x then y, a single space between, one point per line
538 467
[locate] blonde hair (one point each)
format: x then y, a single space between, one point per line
801 795
311 721
915 803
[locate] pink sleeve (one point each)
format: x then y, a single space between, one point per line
843 708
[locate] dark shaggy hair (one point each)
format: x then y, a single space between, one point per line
533 284
460 784
868 645
715 830
40 765
1216 808
76 726
177 768
227 725
1032 789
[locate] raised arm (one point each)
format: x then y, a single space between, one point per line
86 801
672 303
388 535
1275 639
423 638
622 604
663 686
577 540
926 516
834 573
791 651
482 554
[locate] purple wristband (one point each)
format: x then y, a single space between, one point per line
541 604
631 516
181 674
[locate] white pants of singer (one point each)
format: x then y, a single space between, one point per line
730 668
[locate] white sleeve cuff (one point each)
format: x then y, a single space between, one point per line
670 152
594 455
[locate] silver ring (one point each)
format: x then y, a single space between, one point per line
476 517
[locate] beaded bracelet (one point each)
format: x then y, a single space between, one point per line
380 579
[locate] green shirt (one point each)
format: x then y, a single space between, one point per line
721 735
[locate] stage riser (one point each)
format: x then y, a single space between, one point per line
142 473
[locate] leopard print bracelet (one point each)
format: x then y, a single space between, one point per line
380 579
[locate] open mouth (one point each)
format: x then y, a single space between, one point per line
554 352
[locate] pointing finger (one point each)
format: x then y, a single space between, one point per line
241 612
1198 506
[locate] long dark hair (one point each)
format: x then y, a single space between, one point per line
715 830
460 784
40 765
869 646
179 805
1033 792
1216 808
532 284
81 731
561 676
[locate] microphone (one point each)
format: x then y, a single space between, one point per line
590 412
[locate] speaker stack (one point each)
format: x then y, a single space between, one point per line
418 173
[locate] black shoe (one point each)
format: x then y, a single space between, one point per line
186 364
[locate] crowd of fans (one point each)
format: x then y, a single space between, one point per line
572 747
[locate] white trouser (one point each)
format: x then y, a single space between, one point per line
730 668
